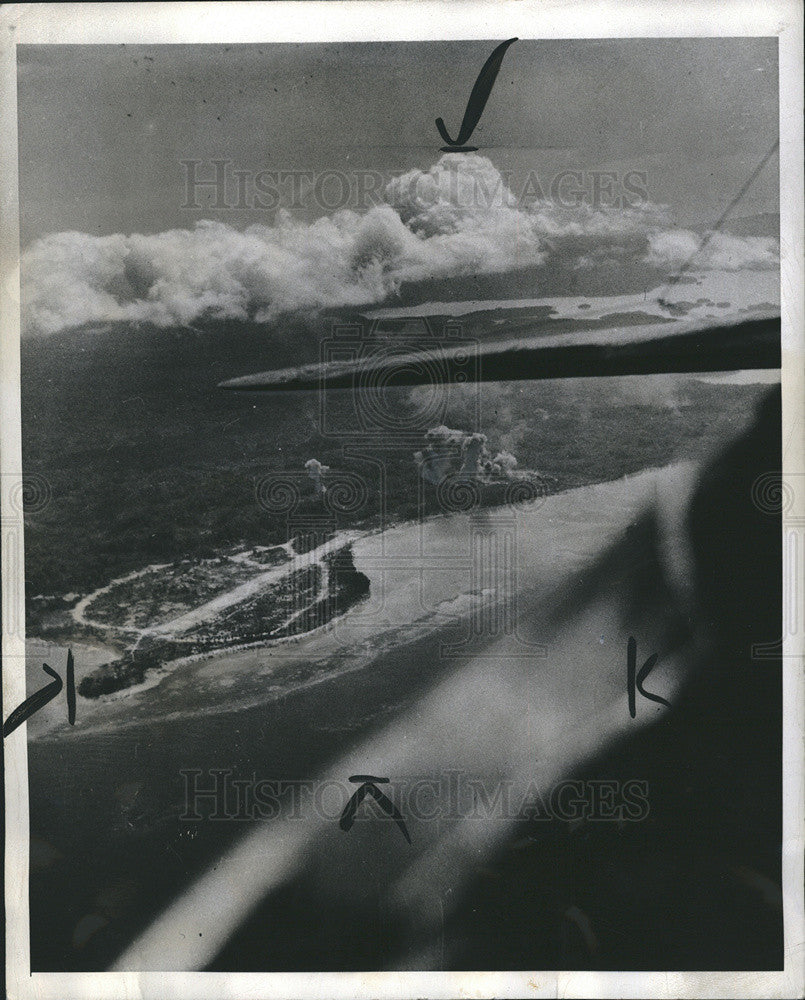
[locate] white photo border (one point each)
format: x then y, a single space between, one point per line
401 20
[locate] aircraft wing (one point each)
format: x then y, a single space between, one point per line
679 570
703 346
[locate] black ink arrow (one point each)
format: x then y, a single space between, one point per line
368 786
635 678
476 104
43 696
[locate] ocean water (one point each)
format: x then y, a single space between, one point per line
468 569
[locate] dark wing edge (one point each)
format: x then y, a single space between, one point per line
690 348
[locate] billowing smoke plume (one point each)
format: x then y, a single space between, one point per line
457 218
316 470
453 452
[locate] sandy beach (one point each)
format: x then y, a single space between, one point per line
281 712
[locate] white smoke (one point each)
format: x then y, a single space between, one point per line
441 455
718 252
457 218
504 464
455 452
316 470
473 454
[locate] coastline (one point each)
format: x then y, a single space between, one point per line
420 582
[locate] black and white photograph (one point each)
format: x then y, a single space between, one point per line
403 496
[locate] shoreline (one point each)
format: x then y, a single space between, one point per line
395 611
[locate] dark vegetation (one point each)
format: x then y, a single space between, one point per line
125 672
164 594
285 609
149 462
346 586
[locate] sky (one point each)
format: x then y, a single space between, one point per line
105 133
103 128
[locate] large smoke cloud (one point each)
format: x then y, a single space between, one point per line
455 219
455 452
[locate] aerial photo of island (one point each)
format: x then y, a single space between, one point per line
266 581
